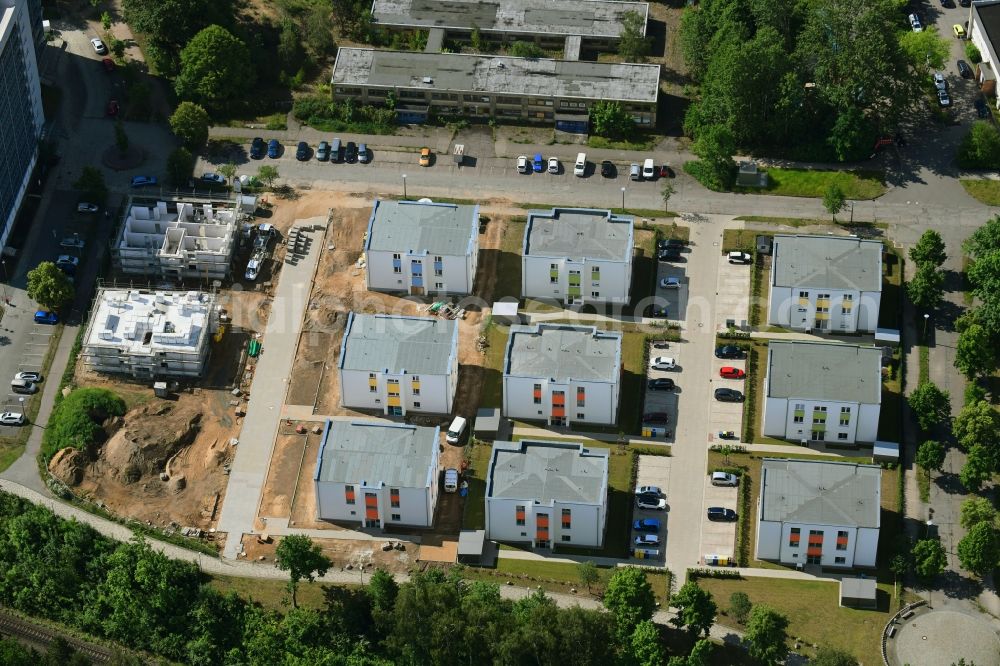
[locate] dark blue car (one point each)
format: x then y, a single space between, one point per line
273 148
257 147
44 317
143 181
646 525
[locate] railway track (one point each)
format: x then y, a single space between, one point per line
41 637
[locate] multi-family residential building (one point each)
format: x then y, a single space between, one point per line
547 493
984 32
562 374
818 512
21 118
399 364
420 247
150 334
175 240
577 255
558 92
822 392
377 474
830 284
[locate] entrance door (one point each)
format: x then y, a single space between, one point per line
395 411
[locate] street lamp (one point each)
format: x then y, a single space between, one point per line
623 199
3 264
926 317
404 185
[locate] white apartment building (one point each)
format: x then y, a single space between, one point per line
420 247
822 392
150 334
398 364
577 255
174 240
547 493
377 474
818 512
984 31
830 284
562 374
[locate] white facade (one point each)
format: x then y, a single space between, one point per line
985 17
422 248
150 334
399 364
577 256
547 493
177 239
376 475
562 374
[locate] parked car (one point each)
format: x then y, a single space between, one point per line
608 169
580 166
958 30
669 254
553 165
29 376
646 525
108 64
725 479
719 513
536 163
45 317
662 363
981 109
656 417
522 164
143 181
650 502
364 155
425 157
739 258
273 148
112 108
67 264
666 171
84 207
965 3
939 81
649 170
943 98
729 351
670 283
323 151
667 243
964 70
729 372
72 243
915 23
257 148
660 311
647 540
649 490
302 151
99 46
351 152
634 171
728 395
11 419
661 384
211 177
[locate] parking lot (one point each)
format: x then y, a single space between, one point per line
718 537
35 348
733 299
653 471
676 298
659 402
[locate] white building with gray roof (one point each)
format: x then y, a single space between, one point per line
397 364
547 493
377 474
577 255
829 284
562 374
419 247
818 512
822 392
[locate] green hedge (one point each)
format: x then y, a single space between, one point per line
77 420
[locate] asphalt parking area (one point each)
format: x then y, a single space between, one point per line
726 415
718 537
37 345
733 298
662 401
652 471
675 298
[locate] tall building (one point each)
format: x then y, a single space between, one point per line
21 117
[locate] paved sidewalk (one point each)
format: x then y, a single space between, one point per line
561 433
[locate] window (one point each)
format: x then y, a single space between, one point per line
565 537
394 498
581 396
396 517
397 269
845 416
819 309
845 309
848 297
581 416
349 494
437 259
818 435
819 414
793 537
840 560
595 294
567 519
438 272
822 295
553 267
841 435
798 418
538 394
842 538
416 405
397 257
803 294
439 285
519 515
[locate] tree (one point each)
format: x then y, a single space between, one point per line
630 599
610 119
91 185
268 174
980 149
930 456
190 123
715 169
695 608
975 352
665 194
984 240
646 646
929 558
121 138
180 166
978 468
740 606
979 549
106 20
828 656
317 24
834 200
170 24
925 50
926 288
766 635
977 510
930 248
215 70
476 38
930 404
290 52
633 45
587 571
228 170
48 286
301 558
525 50
978 424
972 53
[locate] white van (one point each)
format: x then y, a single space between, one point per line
456 430
450 480
648 170
580 167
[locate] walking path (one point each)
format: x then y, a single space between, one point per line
267 394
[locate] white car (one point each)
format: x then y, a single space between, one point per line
736 257
72 243
724 479
662 363
85 207
943 98
11 419
99 46
210 177
522 164
650 502
553 165
915 23
580 166
649 490
647 540
29 376
939 81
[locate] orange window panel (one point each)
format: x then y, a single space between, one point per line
842 541
566 524
558 398
542 520
371 513
349 494
371 500
814 551
793 537
558 411
519 515
537 393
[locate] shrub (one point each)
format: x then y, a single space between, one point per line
972 53
980 149
76 421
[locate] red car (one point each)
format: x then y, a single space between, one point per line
729 372
666 171
112 107
109 64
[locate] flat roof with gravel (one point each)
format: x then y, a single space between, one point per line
394 454
548 471
832 262
816 492
824 371
561 353
578 233
421 226
390 343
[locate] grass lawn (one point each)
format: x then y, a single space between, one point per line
890 307
272 593
740 239
638 143
474 517
814 183
983 190
784 221
492 389
890 421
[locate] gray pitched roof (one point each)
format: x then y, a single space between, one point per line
827 262
418 345
578 233
396 455
816 492
562 352
547 471
824 371
437 228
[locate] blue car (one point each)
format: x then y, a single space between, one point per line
257 148
536 163
273 148
646 525
143 181
43 317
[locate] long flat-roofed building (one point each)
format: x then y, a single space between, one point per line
577 255
150 334
376 474
481 86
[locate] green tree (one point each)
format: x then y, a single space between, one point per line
180 166
611 119
268 174
929 558
930 456
695 608
925 50
715 169
121 138
980 149
633 45
525 50
302 559
587 572
852 135
977 510
828 656
766 635
290 51
228 170
978 468
930 248
476 38
926 288
91 185
630 599
834 200
48 286
740 606
979 549
665 193
316 26
984 240
975 352
190 124
118 48
972 53
930 405
170 24
646 646
106 20
215 70
978 423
